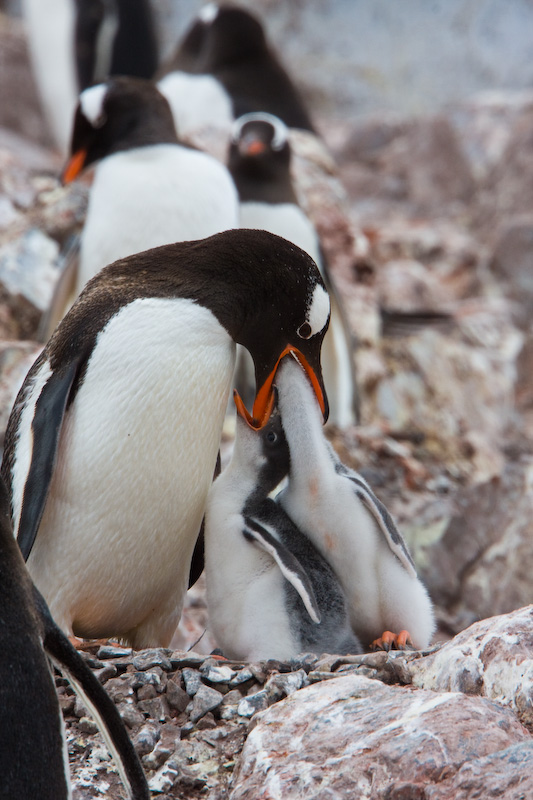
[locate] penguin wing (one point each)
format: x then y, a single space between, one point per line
64 291
289 565
46 426
67 659
385 523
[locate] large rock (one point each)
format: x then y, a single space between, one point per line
477 562
492 658
354 737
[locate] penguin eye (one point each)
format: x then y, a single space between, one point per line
304 331
272 437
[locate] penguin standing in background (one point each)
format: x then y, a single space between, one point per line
148 189
352 529
259 160
112 443
224 68
33 751
76 43
270 594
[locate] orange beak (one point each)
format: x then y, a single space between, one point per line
252 147
74 166
264 400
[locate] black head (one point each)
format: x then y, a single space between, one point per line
263 451
117 115
260 159
232 34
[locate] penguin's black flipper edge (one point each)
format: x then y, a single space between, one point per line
64 291
386 524
67 659
289 565
46 426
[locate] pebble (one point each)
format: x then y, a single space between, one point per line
146 659
177 698
146 739
205 699
192 681
250 705
87 725
155 677
110 651
180 659
156 708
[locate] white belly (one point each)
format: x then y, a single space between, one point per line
152 196
136 458
196 102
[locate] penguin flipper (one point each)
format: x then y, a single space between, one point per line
64 292
289 565
46 426
385 523
67 659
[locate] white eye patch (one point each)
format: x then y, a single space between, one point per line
92 104
318 311
280 129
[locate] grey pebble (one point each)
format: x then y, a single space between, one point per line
110 651
130 715
107 672
250 705
177 698
120 689
205 699
192 681
87 725
155 677
146 739
146 659
156 708
243 676
217 674
181 659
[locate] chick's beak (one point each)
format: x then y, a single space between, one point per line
265 398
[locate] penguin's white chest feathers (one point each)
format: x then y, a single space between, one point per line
150 196
136 457
196 102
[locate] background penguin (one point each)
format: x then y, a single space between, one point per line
112 442
33 751
148 189
352 529
75 43
259 160
233 70
270 593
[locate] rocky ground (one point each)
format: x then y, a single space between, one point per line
428 227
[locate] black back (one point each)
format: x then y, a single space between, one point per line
233 48
133 50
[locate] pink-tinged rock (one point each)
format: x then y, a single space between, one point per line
356 738
492 658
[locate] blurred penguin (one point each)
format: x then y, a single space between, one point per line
260 161
76 43
224 68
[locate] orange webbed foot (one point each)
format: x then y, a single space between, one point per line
393 641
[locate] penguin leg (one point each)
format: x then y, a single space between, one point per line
393 641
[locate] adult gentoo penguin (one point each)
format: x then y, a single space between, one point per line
226 68
33 752
259 160
148 189
76 43
270 593
112 442
352 529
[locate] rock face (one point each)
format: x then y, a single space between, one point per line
354 737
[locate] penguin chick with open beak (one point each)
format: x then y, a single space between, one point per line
352 529
148 189
33 751
260 161
270 593
112 443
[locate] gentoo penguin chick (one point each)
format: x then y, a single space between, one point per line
259 161
270 593
224 68
148 190
112 443
33 752
352 529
